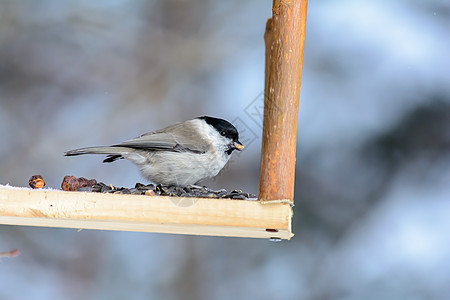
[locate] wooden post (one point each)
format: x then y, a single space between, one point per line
284 40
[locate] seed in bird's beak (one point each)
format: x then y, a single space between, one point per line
238 146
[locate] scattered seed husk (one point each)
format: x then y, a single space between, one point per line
36 182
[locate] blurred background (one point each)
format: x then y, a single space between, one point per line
372 214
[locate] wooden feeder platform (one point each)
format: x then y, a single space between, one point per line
165 214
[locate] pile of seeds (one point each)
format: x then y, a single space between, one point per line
174 191
81 184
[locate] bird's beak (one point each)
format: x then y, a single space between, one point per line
238 146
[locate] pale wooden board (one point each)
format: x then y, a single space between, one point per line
199 216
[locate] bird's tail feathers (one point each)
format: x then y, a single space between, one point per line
98 150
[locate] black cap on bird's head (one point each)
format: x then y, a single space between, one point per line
225 129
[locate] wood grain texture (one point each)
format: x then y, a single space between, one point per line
284 40
200 216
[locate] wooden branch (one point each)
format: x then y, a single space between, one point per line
200 216
284 40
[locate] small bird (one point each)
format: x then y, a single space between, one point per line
181 154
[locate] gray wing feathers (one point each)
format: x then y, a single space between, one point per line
178 137
175 138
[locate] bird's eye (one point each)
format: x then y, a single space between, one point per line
223 132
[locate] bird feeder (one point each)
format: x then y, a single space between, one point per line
268 217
